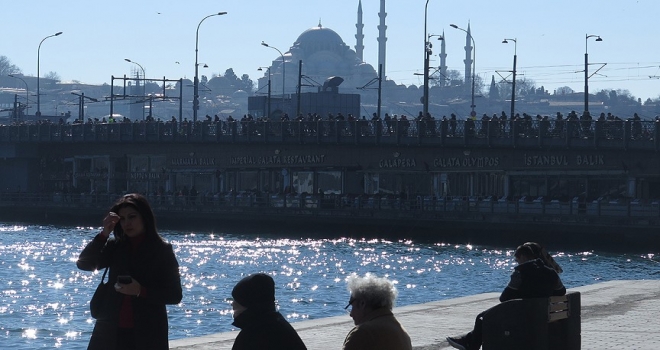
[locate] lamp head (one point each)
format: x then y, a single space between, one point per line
504 41
264 44
127 60
222 13
58 33
599 39
453 26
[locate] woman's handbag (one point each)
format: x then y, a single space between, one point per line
98 299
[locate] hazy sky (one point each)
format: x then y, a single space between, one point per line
98 35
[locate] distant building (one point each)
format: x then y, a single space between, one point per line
323 54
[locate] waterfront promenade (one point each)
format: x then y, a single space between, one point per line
615 315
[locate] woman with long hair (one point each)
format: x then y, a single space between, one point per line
143 278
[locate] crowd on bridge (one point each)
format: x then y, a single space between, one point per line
606 125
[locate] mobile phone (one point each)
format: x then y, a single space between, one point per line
124 279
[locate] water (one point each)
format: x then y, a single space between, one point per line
44 298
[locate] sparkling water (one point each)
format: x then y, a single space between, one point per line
44 300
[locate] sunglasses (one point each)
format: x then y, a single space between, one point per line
350 302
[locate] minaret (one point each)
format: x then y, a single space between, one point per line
359 45
443 60
468 55
382 39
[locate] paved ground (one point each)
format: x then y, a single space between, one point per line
615 315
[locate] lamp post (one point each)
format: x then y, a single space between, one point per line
513 84
474 59
427 53
283 66
268 70
427 56
144 82
144 76
586 69
196 82
26 90
38 113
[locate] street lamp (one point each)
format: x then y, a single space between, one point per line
474 58
144 83
38 113
427 53
427 56
586 70
268 70
144 76
26 90
283 66
513 84
196 82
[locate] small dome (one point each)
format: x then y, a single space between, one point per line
240 94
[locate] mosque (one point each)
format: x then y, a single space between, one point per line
324 54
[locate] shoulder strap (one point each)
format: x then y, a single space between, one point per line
104 272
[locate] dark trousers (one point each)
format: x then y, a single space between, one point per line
126 339
475 336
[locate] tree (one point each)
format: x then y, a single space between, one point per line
221 86
52 76
524 87
247 84
6 67
564 90
494 92
229 83
452 78
230 75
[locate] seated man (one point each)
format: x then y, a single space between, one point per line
371 302
532 278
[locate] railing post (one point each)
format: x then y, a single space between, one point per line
266 125
379 129
443 132
627 134
656 135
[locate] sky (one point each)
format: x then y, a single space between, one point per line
160 36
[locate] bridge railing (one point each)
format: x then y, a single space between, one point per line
619 134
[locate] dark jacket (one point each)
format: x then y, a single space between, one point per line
155 267
380 331
533 279
263 329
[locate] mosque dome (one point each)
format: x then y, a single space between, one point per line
319 39
323 54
